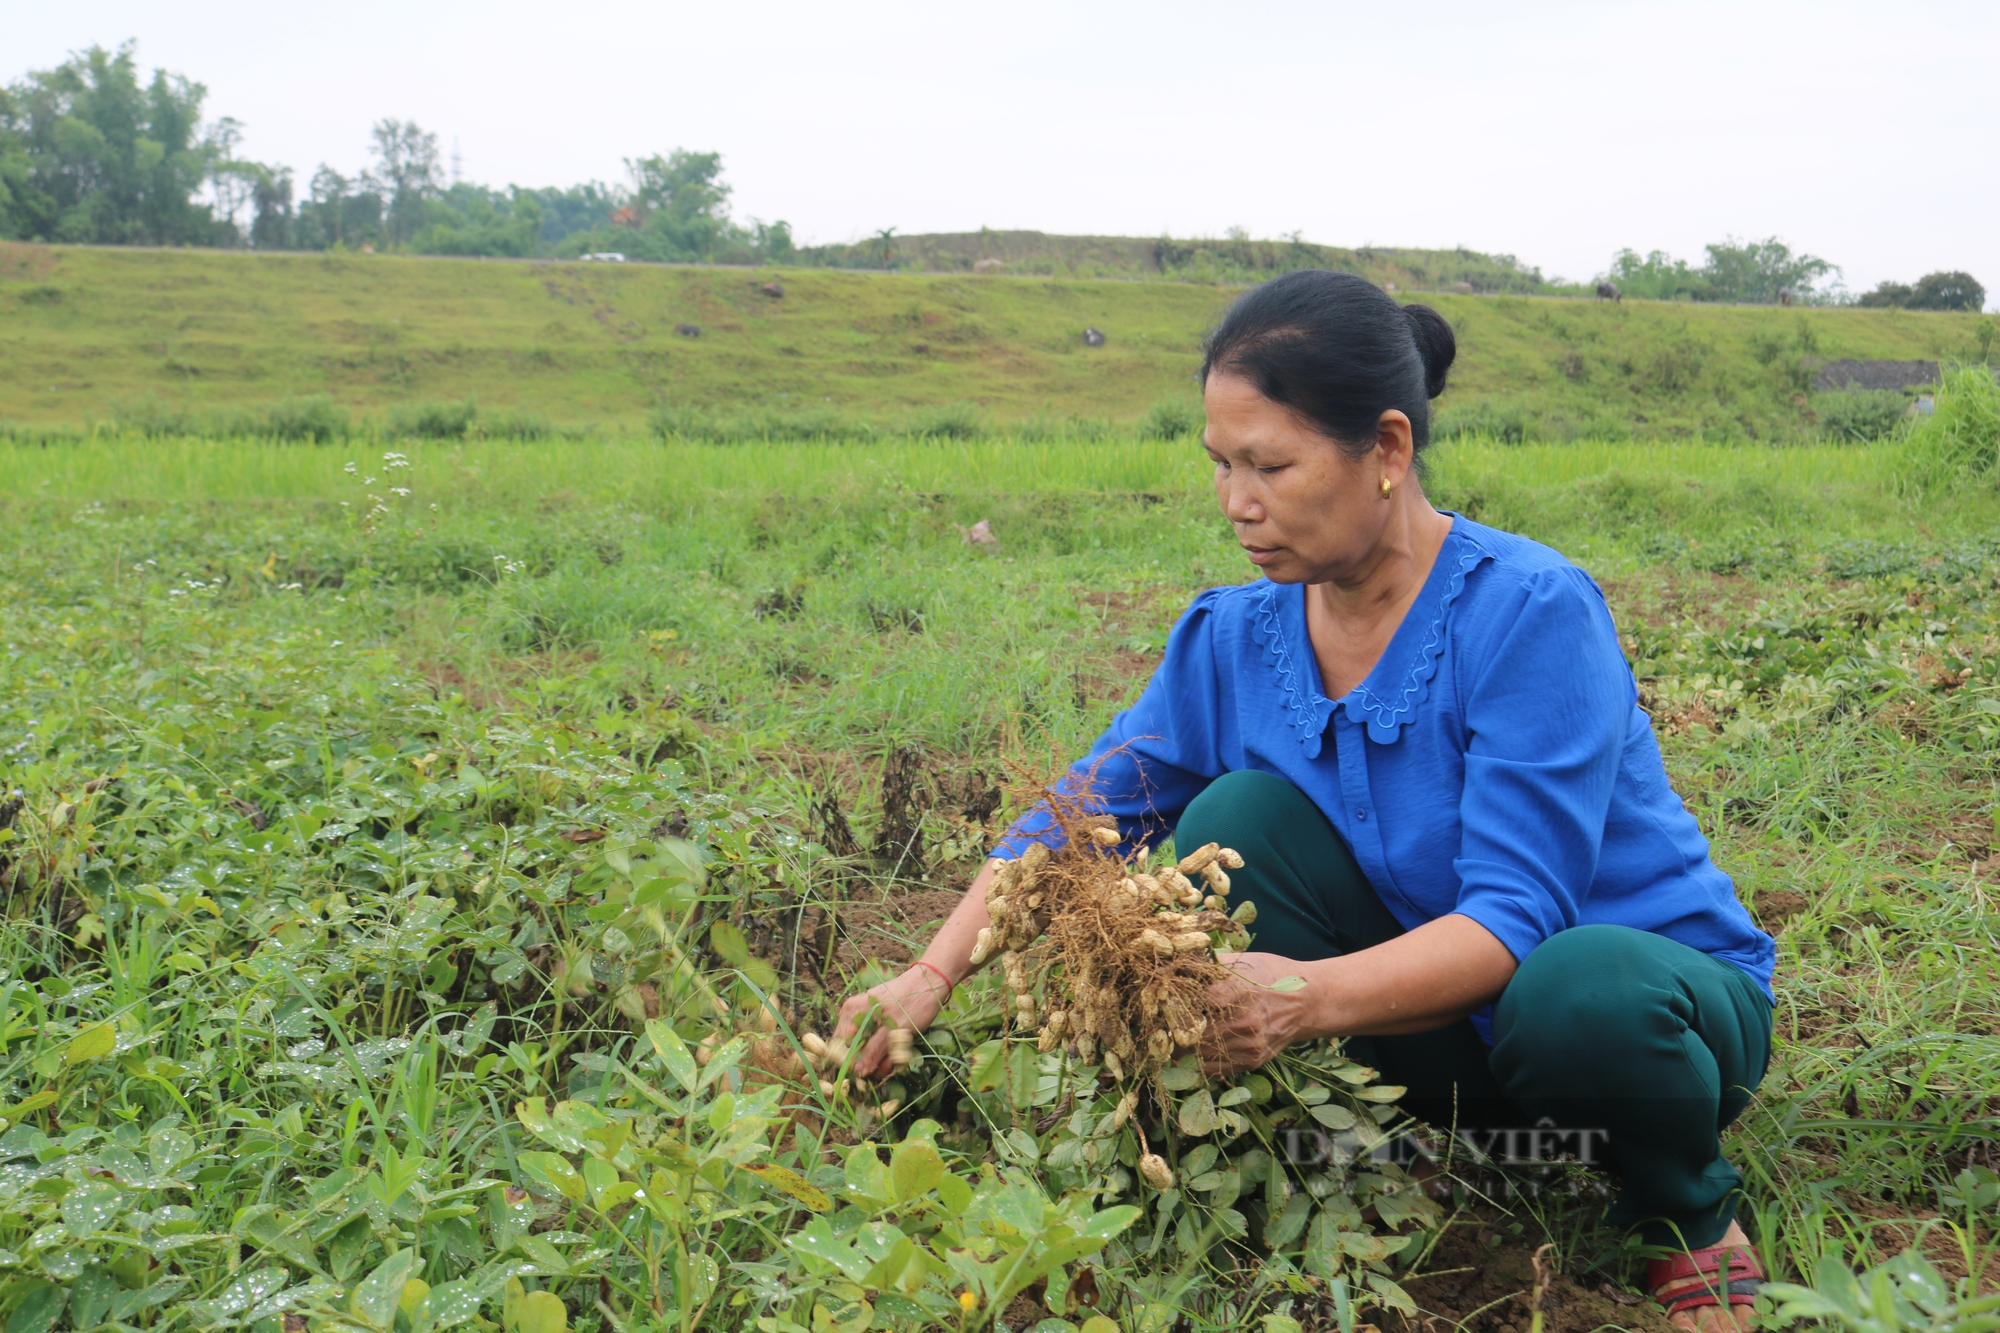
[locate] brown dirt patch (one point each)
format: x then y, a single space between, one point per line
1481 1280
1112 676
871 927
895 929
1774 908
21 261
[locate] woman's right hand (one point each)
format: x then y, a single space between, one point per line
914 999
910 1001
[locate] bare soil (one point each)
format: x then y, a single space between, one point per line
894 929
1479 1279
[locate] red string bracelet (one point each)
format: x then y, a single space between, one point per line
948 987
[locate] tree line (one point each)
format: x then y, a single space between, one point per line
1767 272
92 154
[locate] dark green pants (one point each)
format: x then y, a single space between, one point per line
1648 1047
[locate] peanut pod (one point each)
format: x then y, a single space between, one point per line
1199 859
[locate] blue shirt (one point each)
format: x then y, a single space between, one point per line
1495 763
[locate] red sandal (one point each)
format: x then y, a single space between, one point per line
1730 1274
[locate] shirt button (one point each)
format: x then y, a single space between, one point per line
1361 815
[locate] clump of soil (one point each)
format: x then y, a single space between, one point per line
1774 907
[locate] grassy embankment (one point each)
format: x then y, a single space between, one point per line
1190 259
302 870
157 338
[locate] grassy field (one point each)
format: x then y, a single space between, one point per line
185 339
345 822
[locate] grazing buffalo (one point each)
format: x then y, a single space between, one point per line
774 290
688 330
1092 338
987 265
1608 291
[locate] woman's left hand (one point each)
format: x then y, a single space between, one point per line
1258 1022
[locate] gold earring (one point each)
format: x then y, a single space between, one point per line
1386 488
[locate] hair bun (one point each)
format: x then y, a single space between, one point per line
1435 344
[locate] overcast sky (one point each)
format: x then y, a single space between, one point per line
1863 133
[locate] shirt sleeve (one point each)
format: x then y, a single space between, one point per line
1547 714
1157 755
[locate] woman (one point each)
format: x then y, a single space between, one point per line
1455 822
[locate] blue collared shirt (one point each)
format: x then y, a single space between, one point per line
1495 763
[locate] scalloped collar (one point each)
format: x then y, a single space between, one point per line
1401 679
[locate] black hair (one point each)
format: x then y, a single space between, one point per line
1337 350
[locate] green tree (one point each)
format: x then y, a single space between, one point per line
1952 290
1756 272
681 205
1887 295
410 175
89 154
579 208
16 170
676 211
1657 277
230 182
882 248
473 220
684 184
272 224
1948 291
772 240
339 211
1753 272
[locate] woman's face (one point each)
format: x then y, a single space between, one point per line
1303 510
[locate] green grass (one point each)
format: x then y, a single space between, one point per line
278 1057
213 341
1169 259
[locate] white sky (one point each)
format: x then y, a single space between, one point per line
1864 133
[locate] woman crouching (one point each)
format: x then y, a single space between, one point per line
1422 736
